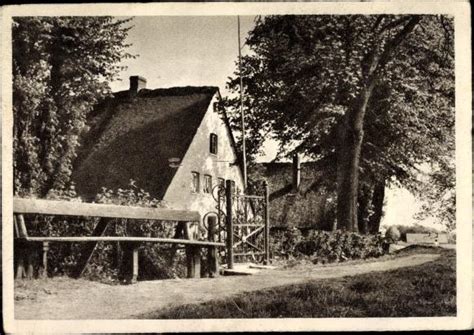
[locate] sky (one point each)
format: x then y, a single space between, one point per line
202 51
184 50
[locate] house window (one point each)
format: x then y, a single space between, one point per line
207 183
233 186
213 144
195 185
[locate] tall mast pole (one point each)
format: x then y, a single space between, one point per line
244 155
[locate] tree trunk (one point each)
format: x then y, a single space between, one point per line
377 205
352 132
363 207
349 148
347 179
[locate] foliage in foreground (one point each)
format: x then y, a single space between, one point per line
424 290
326 247
108 262
62 67
329 84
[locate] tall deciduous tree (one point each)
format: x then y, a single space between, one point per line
61 69
371 95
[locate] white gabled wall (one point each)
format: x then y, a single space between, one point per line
199 159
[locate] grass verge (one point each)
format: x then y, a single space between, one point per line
424 290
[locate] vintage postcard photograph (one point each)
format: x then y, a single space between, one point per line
225 166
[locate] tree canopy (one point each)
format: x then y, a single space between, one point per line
62 67
370 95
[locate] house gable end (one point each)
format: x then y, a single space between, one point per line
199 159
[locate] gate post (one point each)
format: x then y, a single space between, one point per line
229 224
267 223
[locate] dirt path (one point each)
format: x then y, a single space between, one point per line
64 298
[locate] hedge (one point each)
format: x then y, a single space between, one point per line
326 247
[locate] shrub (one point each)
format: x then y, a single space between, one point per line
392 234
325 247
284 242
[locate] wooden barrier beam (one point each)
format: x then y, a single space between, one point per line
125 239
71 208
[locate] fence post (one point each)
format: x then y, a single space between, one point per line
29 261
20 254
45 259
193 255
129 265
213 263
193 261
134 264
26 251
229 224
267 223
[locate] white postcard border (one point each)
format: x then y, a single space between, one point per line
460 10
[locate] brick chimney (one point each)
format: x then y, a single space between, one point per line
296 172
136 84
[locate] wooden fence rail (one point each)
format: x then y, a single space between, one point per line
106 212
54 207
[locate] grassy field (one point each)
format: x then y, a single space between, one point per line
425 290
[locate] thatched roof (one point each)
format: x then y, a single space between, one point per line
309 207
132 137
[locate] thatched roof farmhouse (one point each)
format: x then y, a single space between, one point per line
172 142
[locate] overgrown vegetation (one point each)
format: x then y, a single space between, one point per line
424 290
62 67
326 247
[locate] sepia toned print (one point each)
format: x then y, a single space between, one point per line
171 171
